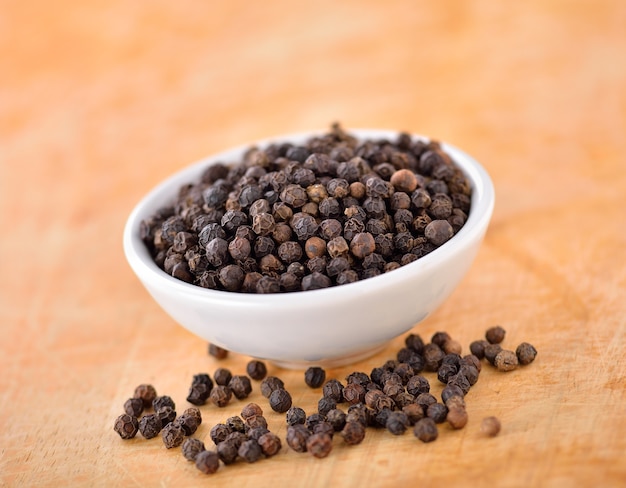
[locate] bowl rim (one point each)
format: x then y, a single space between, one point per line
141 262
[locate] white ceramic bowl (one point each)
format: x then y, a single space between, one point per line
332 326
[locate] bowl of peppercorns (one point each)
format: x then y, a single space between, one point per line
318 247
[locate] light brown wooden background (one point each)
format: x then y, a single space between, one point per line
101 100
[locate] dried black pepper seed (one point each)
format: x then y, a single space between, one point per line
207 461
133 407
256 369
315 281
438 412
162 401
457 417
221 395
325 405
189 423
314 376
236 424
219 432
495 335
126 426
491 351
319 445
222 376
426 430
433 355
297 436
414 412
526 353
199 393
397 423
240 386
147 393
323 427
172 435
354 393
150 425
359 412
251 410
166 414
353 433
336 418
490 426
256 421
269 384
414 342
506 360
270 444
280 400
477 348
191 448
295 415
250 451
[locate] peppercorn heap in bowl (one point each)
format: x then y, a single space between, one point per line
311 248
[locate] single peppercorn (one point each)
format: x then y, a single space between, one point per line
314 376
172 435
191 448
495 335
250 451
126 426
270 444
490 426
150 425
426 430
219 432
295 415
491 351
251 410
526 353
240 386
319 445
189 423
166 415
336 418
353 433
457 417
133 407
333 389
256 369
221 395
228 451
269 384
147 393
160 402
207 461
217 352
506 360
397 423
477 348
280 400
222 376
297 436
438 412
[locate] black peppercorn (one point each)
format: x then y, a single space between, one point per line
256 369
191 448
207 461
506 360
221 395
240 386
126 426
319 445
172 435
133 407
297 436
228 450
295 415
397 423
477 348
495 335
269 384
150 425
147 393
426 430
353 433
280 400
270 444
526 353
222 376
314 376
163 401
219 432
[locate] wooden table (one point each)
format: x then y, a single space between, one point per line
101 100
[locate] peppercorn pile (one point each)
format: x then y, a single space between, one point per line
332 211
394 396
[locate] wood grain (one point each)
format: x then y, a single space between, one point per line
101 100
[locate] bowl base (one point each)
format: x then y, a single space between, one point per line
330 363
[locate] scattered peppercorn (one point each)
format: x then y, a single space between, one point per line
240 386
319 445
221 395
150 425
297 436
526 353
217 352
314 376
270 444
490 426
147 393
207 461
172 435
133 407
269 384
191 448
280 400
495 335
256 369
126 426
506 360
222 376
426 430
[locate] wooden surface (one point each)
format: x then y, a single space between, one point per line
101 100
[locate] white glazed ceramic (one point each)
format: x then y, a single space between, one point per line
332 326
